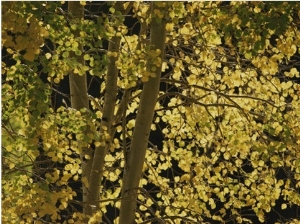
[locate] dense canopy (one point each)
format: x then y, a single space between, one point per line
150 112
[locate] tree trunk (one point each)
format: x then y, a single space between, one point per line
136 154
107 122
78 91
78 84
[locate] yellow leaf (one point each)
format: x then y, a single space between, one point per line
169 27
126 4
47 146
283 206
164 66
11 165
261 162
145 79
226 155
97 144
184 30
172 60
185 177
48 55
60 155
99 114
68 167
112 10
247 182
75 178
51 154
56 80
212 204
9 148
77 113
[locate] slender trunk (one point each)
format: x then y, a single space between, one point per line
78 84
136 154
107 122
78 92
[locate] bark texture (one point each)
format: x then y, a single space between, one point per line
136 154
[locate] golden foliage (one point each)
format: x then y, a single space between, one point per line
228 106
